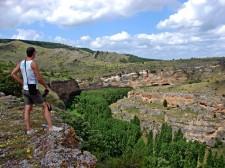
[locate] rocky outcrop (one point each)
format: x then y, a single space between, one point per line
198 102
150 77
84 85
44 148
65 89
8 102
61 149
142 78
200 116
136 79
186 110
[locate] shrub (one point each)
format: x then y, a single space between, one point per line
165 104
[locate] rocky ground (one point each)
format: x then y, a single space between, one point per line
43 149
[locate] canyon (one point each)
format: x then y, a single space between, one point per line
195 99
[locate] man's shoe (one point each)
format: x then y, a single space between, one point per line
31 132
55 129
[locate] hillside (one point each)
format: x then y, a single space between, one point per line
65 59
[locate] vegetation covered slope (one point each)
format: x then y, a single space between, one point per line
70 62
119 143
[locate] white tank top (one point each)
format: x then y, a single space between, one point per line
29 75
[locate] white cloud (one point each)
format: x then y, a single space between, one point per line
117 41
220 30
62 40
165 45
120 36
85 38
59 39
72 13
197 15
16 12
27 35
76 12
96 44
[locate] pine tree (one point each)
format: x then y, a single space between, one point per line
221 162
178 136
165 104
150 143
166 133
135 121
210 162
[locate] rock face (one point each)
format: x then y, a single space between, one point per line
64 89
142 78
62 149
200 116
150 77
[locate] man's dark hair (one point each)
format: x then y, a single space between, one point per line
30 51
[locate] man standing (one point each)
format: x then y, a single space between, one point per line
31 75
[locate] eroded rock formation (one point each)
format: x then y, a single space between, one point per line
64 89
62 149
170 76
200 116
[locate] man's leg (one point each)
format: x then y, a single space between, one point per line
47 114
27 110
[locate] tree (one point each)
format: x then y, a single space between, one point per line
210 162
178 136
166 133
150 143
221 162
177 153
165 104
135 121
201 152
218 143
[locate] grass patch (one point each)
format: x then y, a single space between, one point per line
133 110
156 106
159 118
182 114
15 146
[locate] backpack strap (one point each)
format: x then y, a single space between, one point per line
26 70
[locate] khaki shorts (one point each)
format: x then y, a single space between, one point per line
32 99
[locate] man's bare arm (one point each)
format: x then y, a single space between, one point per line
14 74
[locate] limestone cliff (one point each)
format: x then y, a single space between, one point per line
143 78
197 109
64 89
168 76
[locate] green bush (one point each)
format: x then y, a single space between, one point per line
7 84
165 104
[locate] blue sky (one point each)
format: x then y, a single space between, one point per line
158 29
